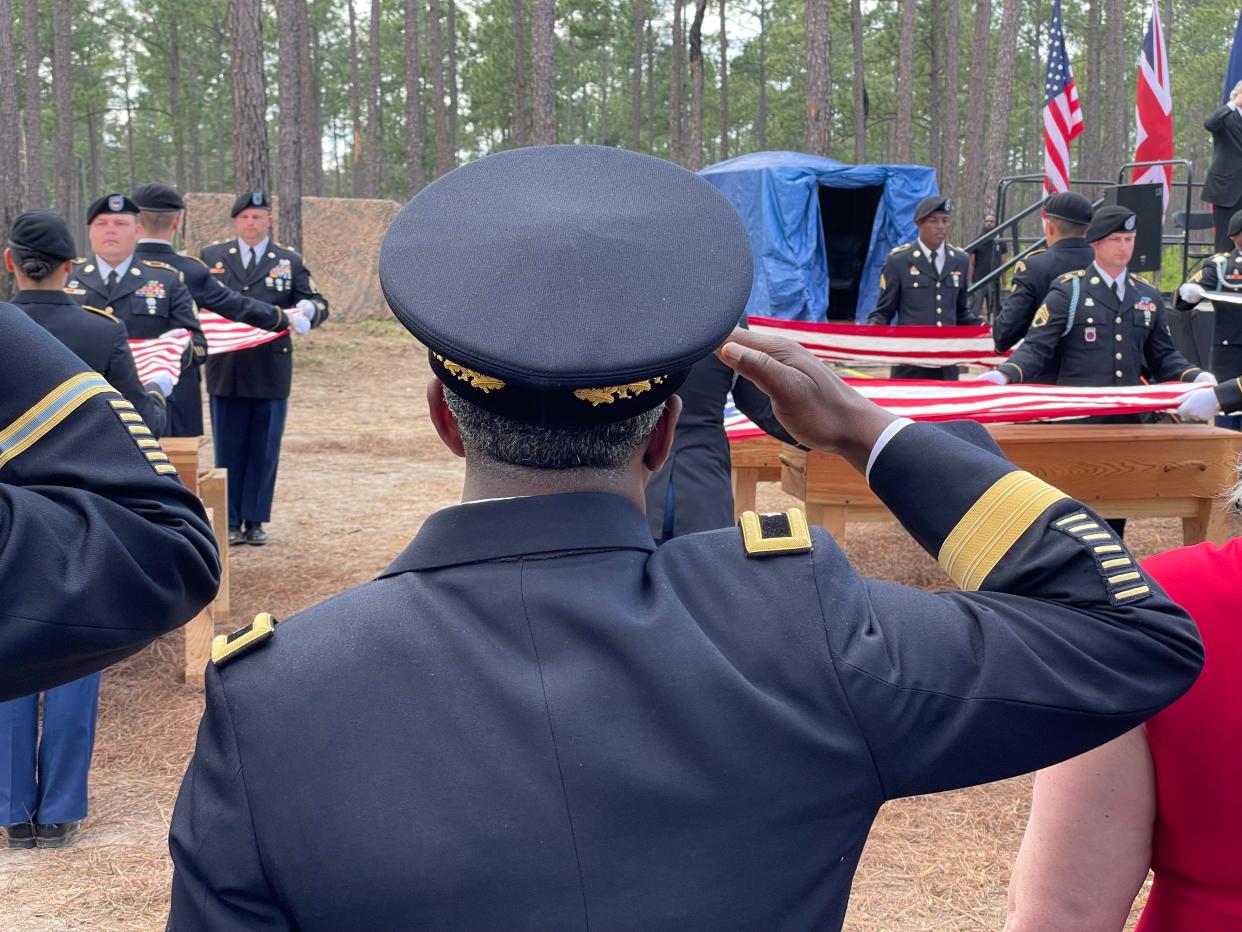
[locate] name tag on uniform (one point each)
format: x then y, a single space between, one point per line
1088 334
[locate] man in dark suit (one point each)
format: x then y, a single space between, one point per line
924 284
538 719
250 388
1223 186
159 217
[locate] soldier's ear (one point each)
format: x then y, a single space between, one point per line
442 418
660 443
8 261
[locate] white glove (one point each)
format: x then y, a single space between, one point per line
163 381
1205 378
1191 292
299 322
308 306
996 378
1199 405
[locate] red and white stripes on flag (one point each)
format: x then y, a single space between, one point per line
1154 109
1062 114
862 344
988 403
163 354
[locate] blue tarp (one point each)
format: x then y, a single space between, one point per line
777 196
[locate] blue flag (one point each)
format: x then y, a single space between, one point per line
1234 74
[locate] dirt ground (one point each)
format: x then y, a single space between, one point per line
361 469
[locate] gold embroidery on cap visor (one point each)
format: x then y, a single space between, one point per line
484 383
613 393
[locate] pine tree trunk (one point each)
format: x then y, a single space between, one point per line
415 177
604 82
250 160
10 154
1119 102
972 178
176 115
636 76
358 160
36 193
521 92
129 132
724 85
451 24
904 91
676 151
651 52
761 117
94 177
951 134
543 74
371 141
290 47
62 99
1002 105
859 82
435 50
696 86
818 105
935 105
312 119
1092 112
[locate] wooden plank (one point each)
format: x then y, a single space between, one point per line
183 453
198 634
214 490
757 452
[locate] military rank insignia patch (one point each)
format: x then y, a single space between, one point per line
767 535
1041 316
141 434
227 646
1123 579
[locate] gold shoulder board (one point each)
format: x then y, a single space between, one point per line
769 534
227 646
99 310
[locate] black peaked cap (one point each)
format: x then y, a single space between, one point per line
567 285
44 232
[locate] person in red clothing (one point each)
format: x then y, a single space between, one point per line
1163 796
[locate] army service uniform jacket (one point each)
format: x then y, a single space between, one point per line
914 294
1098 342
537 719
102 549
100 341
281 278
1032 277
1222 273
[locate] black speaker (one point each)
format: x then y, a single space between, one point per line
1146 200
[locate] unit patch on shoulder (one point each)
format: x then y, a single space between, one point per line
225 647
769 534
1122 577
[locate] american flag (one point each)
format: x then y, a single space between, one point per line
1062 115
1154 109
864 344
162 355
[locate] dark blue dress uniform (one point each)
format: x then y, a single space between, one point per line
547 721
1222 273
99 340
1032 279
250 388
101 548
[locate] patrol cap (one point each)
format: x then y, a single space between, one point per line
1068 206
158 198
44 232
567 285
111 204
929 205
1235 224
1110 219
250 199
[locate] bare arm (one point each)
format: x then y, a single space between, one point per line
1088 841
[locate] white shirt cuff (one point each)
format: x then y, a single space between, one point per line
881 442
1232 106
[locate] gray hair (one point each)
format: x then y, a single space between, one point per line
497 439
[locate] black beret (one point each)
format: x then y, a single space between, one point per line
567 285
1110 219
1069 206
43 232
1235 224
158 198
250 199
929 205
111 204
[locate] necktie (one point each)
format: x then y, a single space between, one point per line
935 261
1117 291
112 279
250 261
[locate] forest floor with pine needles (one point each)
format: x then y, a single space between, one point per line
361 469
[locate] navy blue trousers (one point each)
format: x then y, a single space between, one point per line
43 778
247 434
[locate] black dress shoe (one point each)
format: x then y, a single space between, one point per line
21 835
236 537
255 535
56 834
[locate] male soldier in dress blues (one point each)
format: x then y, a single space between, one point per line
924 284
147 295
249 388
160 217
1066 216
538 719
40 256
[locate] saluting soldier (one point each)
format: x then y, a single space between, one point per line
1065 223
148 296
924 284
554 724
250 388
160 215
40 256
